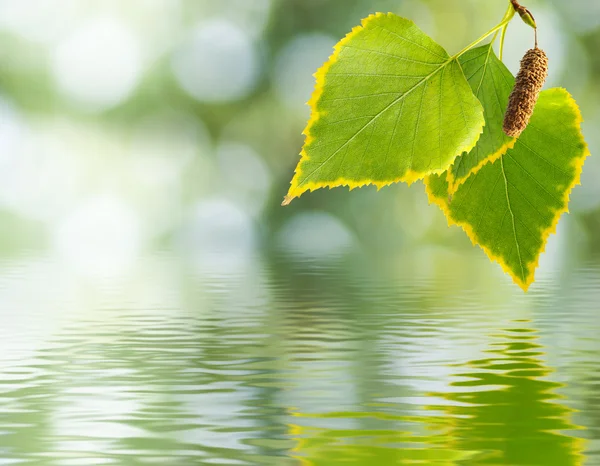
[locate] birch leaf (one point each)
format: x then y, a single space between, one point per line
390 105
511 206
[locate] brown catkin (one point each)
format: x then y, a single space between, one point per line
529 83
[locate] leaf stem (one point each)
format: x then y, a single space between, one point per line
502 25
502 38
510 13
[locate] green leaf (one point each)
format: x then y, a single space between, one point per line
492 83
511 206
390 105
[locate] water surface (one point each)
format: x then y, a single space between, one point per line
276 362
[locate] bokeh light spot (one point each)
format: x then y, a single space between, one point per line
217 63
99 65
316 235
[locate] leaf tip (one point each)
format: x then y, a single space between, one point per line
287 200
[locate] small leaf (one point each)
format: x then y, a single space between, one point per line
527 17
510 207
390 105
524 13
492 83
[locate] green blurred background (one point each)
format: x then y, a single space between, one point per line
127 126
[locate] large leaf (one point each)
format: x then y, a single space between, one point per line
511 206
390 105
492 83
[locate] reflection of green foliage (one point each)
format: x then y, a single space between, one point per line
506 407
502 411
360 446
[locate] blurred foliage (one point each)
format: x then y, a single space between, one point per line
144 121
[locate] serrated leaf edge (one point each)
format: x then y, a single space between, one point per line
533 265
409 177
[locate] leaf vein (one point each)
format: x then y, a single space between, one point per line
523 276
534 179
385 54
414 43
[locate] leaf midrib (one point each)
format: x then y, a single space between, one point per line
514 224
